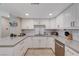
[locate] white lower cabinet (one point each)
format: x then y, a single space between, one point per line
42 42
38 42
35 42
30 42
6 51
51 43
16 50
70 52
19 49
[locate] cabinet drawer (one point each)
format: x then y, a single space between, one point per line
6 51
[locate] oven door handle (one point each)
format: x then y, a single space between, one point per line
59 45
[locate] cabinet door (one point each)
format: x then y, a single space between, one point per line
52 23
70 16
53 44
19 48
35 42
59 21
36 22
25 24
6 51
47 24
42 42
50 42
29 42
26 42
77 14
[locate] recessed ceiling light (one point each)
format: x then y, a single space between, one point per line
50 14
27 14
8 16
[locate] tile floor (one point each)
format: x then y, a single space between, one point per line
39 52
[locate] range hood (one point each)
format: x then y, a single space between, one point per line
39 29
40 26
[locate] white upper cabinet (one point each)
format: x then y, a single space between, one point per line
36 22
69 18
52 23
77 15
42 22
59 21
27 24
46 23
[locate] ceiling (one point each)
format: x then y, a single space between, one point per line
39 10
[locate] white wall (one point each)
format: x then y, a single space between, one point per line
5 28
0 27
4 25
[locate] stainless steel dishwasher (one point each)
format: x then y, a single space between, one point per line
59 48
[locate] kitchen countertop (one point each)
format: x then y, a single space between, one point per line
11 42
41 36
